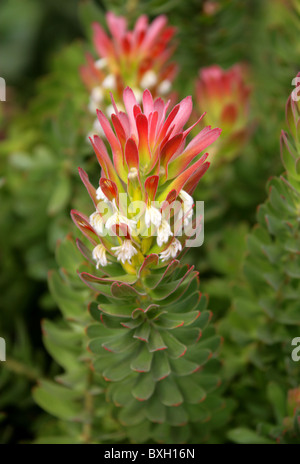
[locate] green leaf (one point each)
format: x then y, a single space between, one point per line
245 436
139 433
115 344
188 301
171 321
182 366
133 413
143 332
169 392
211 343
188 336
277 399
60 196
206 381
198 356
117 370
72 304
67 255
197 413
144 387
65 356
160 367
156 342
275 226
58 401
101 331
203 319
174 347
191 391
120 393
177 416
123 291
143 360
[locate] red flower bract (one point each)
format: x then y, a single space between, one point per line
149 148
224 94
139 58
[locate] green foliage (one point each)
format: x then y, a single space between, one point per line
42 164
146 350
265 317
157 355
76 396
38 186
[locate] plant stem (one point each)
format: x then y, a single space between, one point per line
20 368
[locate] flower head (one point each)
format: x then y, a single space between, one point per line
138 57
152 165
225 97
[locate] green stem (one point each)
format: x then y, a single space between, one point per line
22 369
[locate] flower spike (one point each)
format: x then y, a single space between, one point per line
147 188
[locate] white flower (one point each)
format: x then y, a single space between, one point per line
99 255
118 218
109 82
100 195
186 208
96 222
149 79
163 233
125 251
171 251
164 87
101 63
152 216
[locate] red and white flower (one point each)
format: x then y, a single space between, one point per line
138 57
150 162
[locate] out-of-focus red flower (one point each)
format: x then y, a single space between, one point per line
137 58
225 97
293 401
210 8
